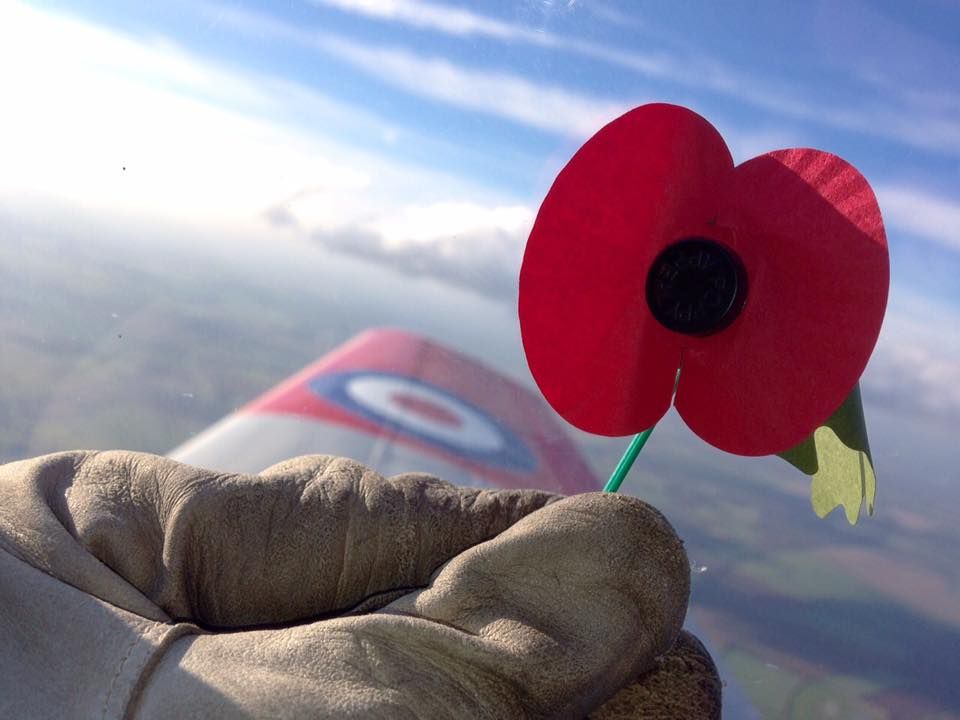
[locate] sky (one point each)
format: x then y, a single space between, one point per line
424 134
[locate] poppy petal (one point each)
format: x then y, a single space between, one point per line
809 232
647 179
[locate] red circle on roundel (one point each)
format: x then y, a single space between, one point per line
804 224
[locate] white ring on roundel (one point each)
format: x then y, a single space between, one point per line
474 431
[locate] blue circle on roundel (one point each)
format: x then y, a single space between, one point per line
420 410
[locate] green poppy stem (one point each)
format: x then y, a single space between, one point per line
626 462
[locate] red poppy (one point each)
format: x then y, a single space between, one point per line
764 284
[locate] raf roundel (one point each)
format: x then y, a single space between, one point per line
426 413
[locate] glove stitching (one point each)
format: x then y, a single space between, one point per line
168 635
123 661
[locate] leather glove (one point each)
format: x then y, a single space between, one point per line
132 586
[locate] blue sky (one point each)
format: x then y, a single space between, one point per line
425 134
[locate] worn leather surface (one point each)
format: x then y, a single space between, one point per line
134 586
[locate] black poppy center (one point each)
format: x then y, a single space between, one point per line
696 286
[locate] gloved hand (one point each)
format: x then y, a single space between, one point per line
132 586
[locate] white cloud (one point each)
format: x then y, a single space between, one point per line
920 213
468 244
914 367
927 374
438 222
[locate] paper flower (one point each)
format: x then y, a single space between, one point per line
763 284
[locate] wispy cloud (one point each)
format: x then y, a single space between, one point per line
462 22
505 95
450 20
899 116
612 15
502 94
914 211
556 109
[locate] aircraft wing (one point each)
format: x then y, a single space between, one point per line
399 402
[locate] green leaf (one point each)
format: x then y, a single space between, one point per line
837 455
